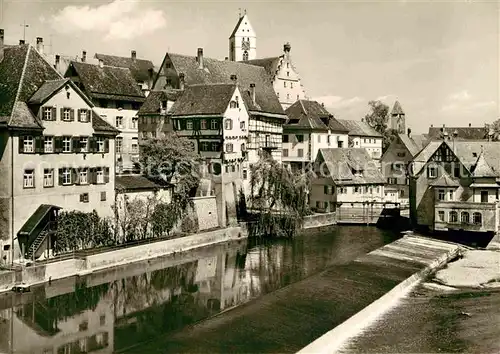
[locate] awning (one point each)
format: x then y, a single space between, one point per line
35 219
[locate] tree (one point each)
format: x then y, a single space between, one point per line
378 119
495 129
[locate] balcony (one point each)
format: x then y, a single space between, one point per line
467 216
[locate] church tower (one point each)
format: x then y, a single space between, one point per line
243 41
398 118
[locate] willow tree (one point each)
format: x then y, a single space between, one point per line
278 198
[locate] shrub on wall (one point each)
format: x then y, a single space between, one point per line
189 224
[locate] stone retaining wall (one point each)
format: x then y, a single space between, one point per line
319 220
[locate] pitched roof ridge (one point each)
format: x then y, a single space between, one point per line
212 84
303 108
21 79
54 80
266 58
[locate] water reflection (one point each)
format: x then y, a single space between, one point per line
121 308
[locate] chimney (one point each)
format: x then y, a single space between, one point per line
22 41
286 48
84 56
181 81
150 78
1 44
252 92
58 61
432 125
199 58
226 58
101 63
470 125
133 54
39 45
409 133
234 78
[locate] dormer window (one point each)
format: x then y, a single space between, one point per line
233 104
432 172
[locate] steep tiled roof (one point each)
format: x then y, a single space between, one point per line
468 152
460 133
445 181
237 26
269 64
22 72
101 126
342 162
413 143
136 183
107 82
217 71
138 67
421 159
152 104
48 88
396 109
358 128
212 99
482 168
305 114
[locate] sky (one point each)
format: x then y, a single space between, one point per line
439 59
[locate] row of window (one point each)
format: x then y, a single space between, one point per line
369 141
204 124
324 205
394 180
62 144
287 96
134 147
65 114
68 176
330 190
477 217
119 122
432 171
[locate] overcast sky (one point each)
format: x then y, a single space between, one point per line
439 59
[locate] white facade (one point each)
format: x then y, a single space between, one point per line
307 150
372 144
243 41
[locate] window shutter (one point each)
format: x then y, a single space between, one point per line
54 113
325 189
78 115
57 144
61 112
74 176
106 145
75 144
21 144
39 144
81 197
92 176
106 174
71 114
61 176
91 144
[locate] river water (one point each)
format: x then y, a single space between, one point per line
132 307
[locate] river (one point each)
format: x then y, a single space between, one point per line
131 307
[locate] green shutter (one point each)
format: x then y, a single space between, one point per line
54 113
106 174
78 115
75 144
71 114
21 144
60 176
106 145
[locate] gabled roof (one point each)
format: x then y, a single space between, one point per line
469 153
101 126
358 128
305 114
47 89
220 71
22 71
138 67
342 162
108 82
212 99
153 102
482 168
269 64
136 183
445 181
238 24
421 159
414 143
459 133
397 109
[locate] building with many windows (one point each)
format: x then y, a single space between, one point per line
309 128
56 152
362 136
117 98
345 176
454 186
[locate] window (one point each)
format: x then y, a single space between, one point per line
227 168
144 135
28 144
49 113
285 152
318 205
48 144
84 198
245 56
84 144
484 196
228 124
285 138
284 83
67 114
340 144
392 180
291 84
100 144
441 194
119 142
319 138
288 73
83 115
119 122
169 82
65 176
84 325
233 104
48 177
300 152
243 147
245 174
103 198
215 147
456 171
83 176
135 146
66 144
135 121
453 216
441 215
401 154
431 171
450 195
214 125
464 217
203 124
328 189
287 65
99 175
477 218
102 318
300 138
29 179
233 168
356 189
229 147
242 126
